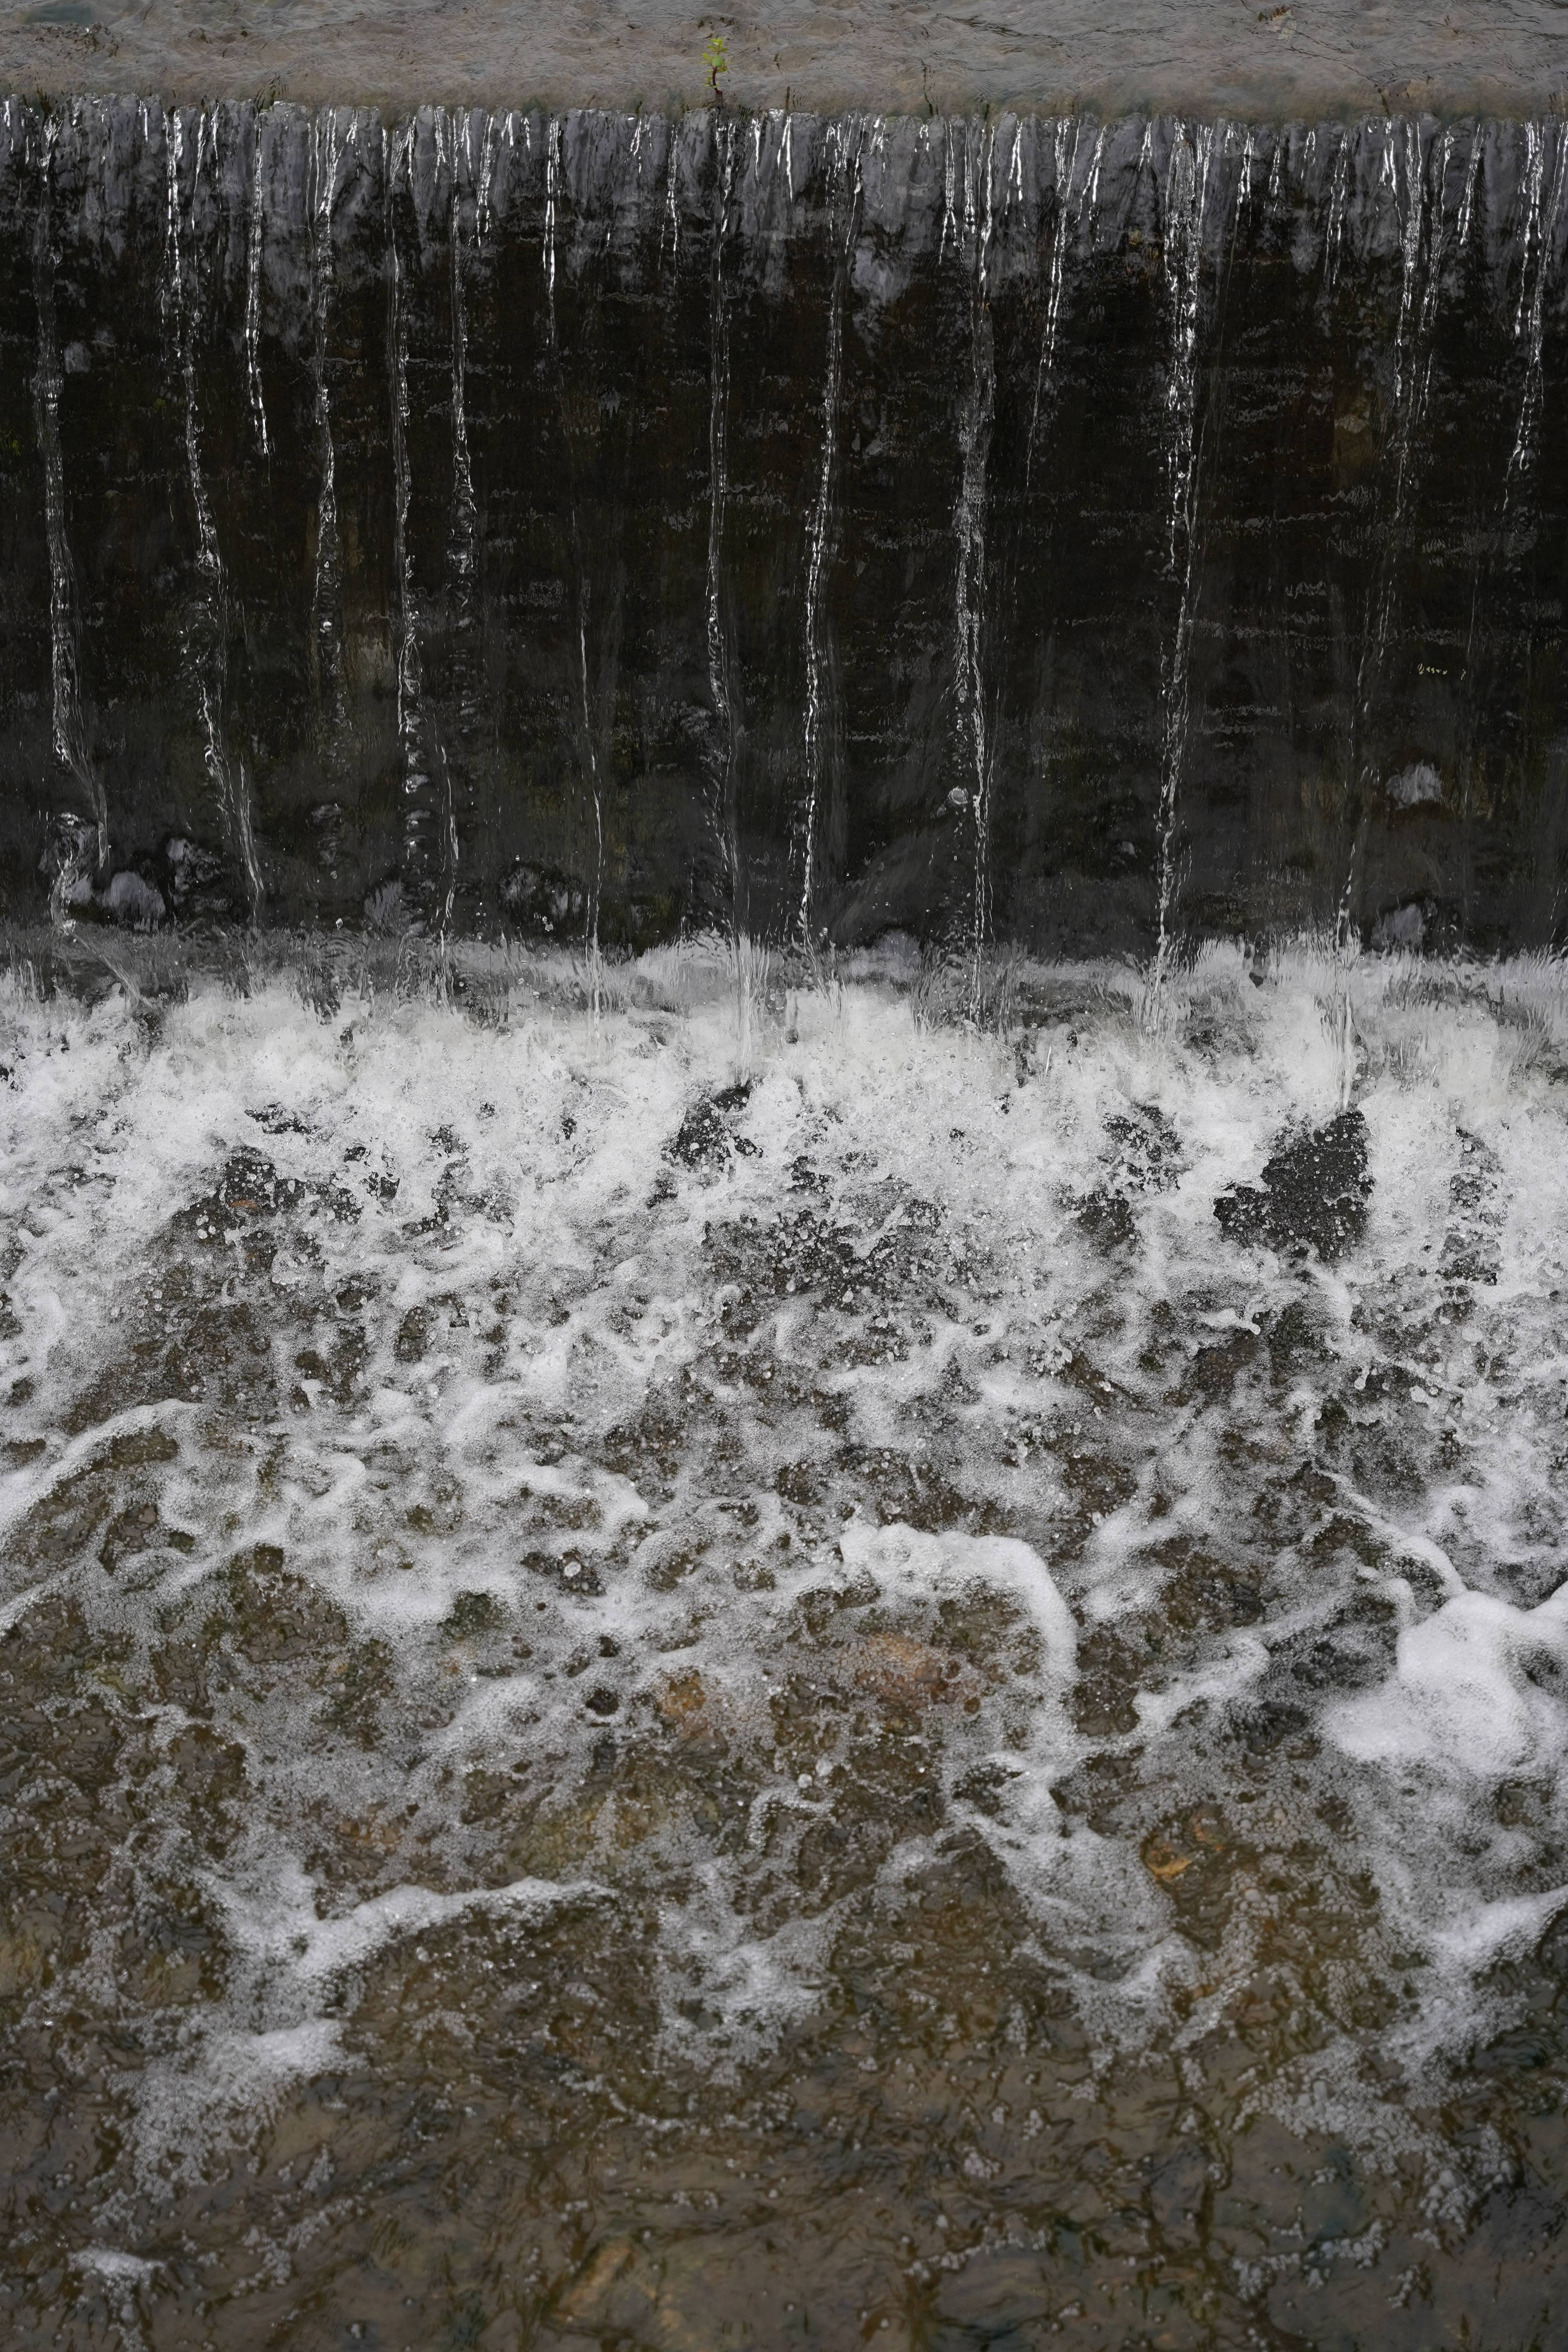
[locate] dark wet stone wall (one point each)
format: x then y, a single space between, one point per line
477 521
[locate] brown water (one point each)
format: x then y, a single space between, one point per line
643 1710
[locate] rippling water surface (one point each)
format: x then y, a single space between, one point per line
914 1693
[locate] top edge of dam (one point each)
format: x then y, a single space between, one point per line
1300 60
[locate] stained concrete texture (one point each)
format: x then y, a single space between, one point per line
1302 60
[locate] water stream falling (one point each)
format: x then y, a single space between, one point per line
75 867
969 654
845 188
326 617
207 619
463 241
1538 253
1071 210
253 285
813 1598
1061 287
411 725
726 781
1186 195
588 747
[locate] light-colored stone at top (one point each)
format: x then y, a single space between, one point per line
1296 59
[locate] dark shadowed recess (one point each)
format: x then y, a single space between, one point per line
611 524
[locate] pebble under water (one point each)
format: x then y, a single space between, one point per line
909 1692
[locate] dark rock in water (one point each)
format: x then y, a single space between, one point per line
1313 1194
705 1138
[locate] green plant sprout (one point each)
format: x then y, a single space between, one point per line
716 58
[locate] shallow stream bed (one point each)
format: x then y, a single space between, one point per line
912 1689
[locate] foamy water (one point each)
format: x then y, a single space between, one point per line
506 1509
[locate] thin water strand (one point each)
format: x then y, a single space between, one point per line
844 185
1540 239
426 792
325 650
253 264
1069 219
969 580
204 636
68 725
1186 195
725 809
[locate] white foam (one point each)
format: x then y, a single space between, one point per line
1055 1379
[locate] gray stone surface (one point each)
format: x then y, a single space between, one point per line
1277 62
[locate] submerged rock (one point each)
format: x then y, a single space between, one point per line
1313 1194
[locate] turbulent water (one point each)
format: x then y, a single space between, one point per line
910 1691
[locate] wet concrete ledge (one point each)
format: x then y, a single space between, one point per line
1302 60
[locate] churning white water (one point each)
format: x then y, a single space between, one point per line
477 1469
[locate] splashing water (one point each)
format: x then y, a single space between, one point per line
506 1618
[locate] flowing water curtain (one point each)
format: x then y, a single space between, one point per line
324 164
475 140
843 169
970 158
1187 194
420 196
206 618
724 810
414 764
591 709
1078 150
78 848
1425 186
1545 177
255 264
1535 304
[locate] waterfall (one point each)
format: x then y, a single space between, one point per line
464 515
1424 244
969 580
463 544
589 748
844 167
325 648
560 590
253 298
424 756
1538 240
726 814
552 187
1187 194
1069 216
1339 191
69 732
1412 350
205 635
